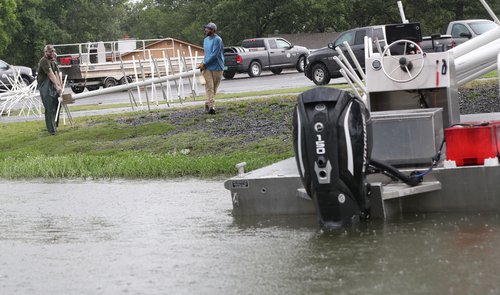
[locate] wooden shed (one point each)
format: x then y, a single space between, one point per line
158 48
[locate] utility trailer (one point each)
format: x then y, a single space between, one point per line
94 64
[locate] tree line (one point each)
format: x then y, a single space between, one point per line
27 25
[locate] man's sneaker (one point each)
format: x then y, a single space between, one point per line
211 111
206 108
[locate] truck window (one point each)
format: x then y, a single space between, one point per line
253 43
272 44
359 39
347 36
482 27
3 65
378 33
282 43
458 29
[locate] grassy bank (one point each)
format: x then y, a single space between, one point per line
493 74
166 143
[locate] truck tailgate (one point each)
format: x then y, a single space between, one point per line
230 59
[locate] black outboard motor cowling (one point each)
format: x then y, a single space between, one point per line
332 142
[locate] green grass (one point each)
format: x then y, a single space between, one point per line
160 144
493 74
478 84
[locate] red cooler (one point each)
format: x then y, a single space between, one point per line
471 145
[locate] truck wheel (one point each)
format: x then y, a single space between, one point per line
255 69
320 75
277 71
301 64
77 89
124 82
92 87
25 80
228 75
110 82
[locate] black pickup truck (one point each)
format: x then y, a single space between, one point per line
321 67
255 55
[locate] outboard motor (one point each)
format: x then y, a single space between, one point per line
332 142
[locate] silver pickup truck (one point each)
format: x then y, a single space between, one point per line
255 55
469 28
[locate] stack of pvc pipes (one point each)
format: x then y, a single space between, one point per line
19 96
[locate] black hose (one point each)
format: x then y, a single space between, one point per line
411 180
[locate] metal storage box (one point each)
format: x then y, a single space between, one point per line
407 137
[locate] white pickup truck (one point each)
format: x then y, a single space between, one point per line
469 28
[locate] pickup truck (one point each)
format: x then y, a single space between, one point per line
320 66
469 28
255 55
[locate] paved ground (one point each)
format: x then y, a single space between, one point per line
241 83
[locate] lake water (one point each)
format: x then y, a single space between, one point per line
178 237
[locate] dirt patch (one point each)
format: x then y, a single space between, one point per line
483 99
252 120
255 120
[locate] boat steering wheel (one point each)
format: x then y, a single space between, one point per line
405 62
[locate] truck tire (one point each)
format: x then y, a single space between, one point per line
92 87
277 71
77 89
301 64
25 80
109 82
320 75
255 69
228 75
124 82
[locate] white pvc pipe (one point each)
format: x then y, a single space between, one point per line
367 48
402 13
344 60
490 11
351 75
356 62
474 75
354 89
491 66
137 79
195 83
124 87
180 89
477 68
169 90
482 55
473 44
379 48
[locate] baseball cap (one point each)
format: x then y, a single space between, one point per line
210 26
49 48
